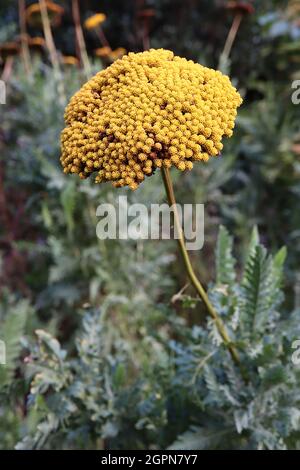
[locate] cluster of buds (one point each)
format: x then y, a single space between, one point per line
147 110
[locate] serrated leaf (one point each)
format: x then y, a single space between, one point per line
198 438
259 290
254 241
225 263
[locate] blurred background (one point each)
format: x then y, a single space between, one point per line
55 275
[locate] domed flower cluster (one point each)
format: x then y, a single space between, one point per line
147 110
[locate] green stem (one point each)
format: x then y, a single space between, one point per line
191 273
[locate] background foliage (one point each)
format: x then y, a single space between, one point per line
104 348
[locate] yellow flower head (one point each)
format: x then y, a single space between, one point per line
93 21
144 111
103 51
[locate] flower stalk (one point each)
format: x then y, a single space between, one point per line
80 39
52 50
190 271
24 43
231 36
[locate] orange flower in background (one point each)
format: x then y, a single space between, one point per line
33 14
109 54
9 48
103 51
36 42
69 60
147 110
94 21
240 7
117 53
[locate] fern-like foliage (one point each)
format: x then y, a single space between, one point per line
212 436
79 392
261 284
225 272
184 393
259 406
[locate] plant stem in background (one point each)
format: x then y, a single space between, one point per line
230 40
24 44
102 37
191 273
80 39
232 34
7 69
48 36
52 49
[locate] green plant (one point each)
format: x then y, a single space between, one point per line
261 413
60 273
101 397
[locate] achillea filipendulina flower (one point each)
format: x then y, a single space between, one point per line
69 60
103 51
36 42
147 110
93 21
34 18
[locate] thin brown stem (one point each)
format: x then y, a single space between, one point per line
48 35
80 39
24 44
52 49
103 39
190 270
7 69
231 38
